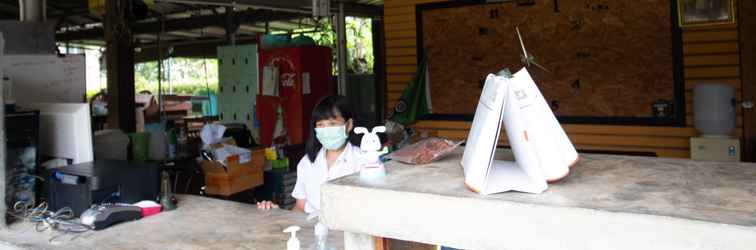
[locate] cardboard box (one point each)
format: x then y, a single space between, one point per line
715 149
238 177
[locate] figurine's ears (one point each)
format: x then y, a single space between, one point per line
379 129
360 130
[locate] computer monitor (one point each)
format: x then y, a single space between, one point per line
65 131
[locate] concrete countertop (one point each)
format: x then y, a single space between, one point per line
607 202
197 223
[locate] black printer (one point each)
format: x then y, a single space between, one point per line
103 181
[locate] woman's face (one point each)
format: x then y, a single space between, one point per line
334 122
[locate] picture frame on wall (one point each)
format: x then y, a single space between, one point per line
706 12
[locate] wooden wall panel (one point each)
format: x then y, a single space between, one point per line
401 43
711 36
717 71
710 48
710 55
711 60
399 60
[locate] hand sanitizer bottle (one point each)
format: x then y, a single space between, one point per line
293 243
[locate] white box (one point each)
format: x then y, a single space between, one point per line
715 149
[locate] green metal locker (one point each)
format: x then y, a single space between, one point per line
238 81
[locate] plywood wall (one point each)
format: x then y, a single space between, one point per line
602 62
710 55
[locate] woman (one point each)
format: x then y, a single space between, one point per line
329 153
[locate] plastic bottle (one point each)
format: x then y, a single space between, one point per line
321 237
321 233
166 194
293 243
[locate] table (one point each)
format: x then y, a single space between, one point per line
607 202
197 223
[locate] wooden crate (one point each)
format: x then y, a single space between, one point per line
238 177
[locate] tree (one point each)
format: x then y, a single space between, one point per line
359 43
146 71
187 75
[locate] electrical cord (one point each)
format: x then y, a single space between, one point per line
25 210
62 221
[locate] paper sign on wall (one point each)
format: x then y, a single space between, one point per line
270 81
542 150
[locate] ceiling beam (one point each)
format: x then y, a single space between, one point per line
200 48
179 24
303 6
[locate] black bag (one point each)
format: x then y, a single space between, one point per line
241 134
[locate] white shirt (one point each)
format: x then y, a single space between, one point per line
311 175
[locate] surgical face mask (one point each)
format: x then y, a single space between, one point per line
332 137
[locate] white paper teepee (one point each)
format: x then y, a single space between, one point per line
542 151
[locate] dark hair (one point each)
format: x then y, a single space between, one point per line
328 107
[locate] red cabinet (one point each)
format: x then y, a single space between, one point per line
304 77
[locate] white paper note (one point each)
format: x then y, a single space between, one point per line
270 81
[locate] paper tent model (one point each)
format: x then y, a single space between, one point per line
543 152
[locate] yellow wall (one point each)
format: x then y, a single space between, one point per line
710 55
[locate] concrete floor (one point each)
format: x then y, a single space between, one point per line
198 223
607 202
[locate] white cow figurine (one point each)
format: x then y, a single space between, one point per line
372 167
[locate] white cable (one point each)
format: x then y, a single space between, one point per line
62 220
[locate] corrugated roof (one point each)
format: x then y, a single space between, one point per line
77 24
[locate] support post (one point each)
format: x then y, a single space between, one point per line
32 10
356 241
341 47
119 55
231 25
379 69
3 183
747 37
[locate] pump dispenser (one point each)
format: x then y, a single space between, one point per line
293 243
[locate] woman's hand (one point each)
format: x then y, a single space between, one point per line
266 205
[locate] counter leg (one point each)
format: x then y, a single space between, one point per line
356 241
